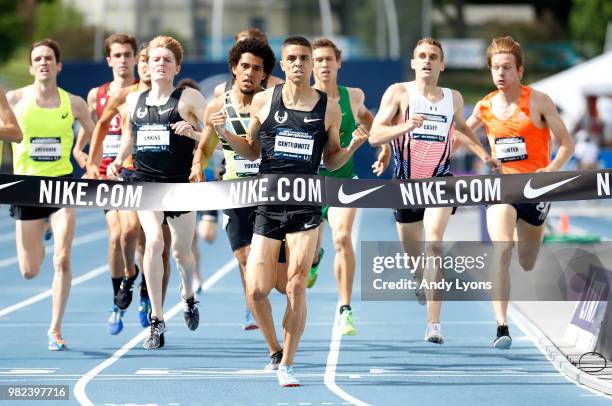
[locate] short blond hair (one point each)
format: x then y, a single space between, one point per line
169 43
505 45
430 41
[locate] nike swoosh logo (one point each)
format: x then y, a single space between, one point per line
164 111
310 120
348 199
530 193
10 184
308 226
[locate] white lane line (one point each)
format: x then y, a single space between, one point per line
86 239
334 346
47 293
79 388
80 221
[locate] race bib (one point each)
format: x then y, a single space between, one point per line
152 137
291 144
45 148
510 149
435 128
111 145
244 167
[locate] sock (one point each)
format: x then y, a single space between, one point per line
116 284
344 307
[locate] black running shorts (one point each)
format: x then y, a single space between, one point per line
277 221
31 212
532 213
411 215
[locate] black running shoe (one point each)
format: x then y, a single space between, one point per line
503 340
191 313
156 335
275 360
124 295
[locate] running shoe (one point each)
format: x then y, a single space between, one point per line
434 333
156 335
124 295
191 313
314 271
249 321
143 311
275 360
48 233
346 323
56 342
503 340
286 376
115 321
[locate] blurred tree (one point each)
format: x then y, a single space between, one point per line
12 27
64 23
455 20
589 21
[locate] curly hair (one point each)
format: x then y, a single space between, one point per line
255 47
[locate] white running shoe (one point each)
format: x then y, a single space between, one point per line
286 376
434 333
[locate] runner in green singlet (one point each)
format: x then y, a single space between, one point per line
46 114
327 62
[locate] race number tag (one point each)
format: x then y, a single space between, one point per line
244 167
295 145
435 128
509 149
45 149
152 137
111 145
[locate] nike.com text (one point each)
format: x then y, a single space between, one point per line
124 196
260 191
433 192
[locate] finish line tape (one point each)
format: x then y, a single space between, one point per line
305 190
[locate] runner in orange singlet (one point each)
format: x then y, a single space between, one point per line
518 121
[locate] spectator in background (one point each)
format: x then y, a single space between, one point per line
604 108
586 151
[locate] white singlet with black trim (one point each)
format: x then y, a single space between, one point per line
425 152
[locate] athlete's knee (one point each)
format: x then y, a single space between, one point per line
296 286
183 256
154 246
527 262
130 236
61 262
342 240
281 287
29 271
505 252
258 292
435 248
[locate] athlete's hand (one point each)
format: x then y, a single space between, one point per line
494 164
196 173
415 121
183 128
218 120
81 158
548 168
380 166
360 135
93 171
113 170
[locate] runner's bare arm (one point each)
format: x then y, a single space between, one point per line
469 138
553 121
248 147
192 106
382 161
81 113
361 111
334 156
383 131
208 136
9 130
127 136
97 137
